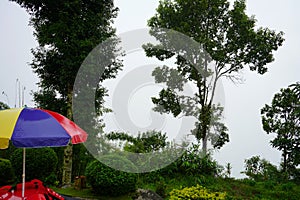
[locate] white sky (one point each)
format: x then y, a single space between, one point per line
243 102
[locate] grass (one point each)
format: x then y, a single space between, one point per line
235 189
87 194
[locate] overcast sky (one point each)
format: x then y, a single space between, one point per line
242 102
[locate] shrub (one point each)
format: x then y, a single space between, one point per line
287 187
51 180
108 181
40 163
295 176
161 187
191 162
249 182
6 172
261 170
194 161
195 193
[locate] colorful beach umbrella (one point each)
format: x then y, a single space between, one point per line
36 128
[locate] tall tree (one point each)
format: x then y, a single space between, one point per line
66 30
228 36
283 118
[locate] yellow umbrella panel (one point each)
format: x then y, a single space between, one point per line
8 119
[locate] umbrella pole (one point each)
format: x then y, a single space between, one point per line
23 175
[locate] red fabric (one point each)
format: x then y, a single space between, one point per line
4 192
34 190
77 134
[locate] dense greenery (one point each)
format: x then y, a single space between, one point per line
234 188
108 181
228 41
195 161
194 193
237 189
261 170
40 163
6 172
192 161
67 31
143 143
283 118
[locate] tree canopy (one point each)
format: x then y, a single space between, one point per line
282 117
228 41
66 31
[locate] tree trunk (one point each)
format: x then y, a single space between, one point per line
68 152
205 120
204 145
67 168
284 167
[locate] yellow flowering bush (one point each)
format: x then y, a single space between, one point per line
195 193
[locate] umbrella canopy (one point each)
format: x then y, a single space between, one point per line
34 128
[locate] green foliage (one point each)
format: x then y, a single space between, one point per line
282 117
161 187
230 41
191 162
234 188
108 181
228 168
51 180
296 175
194 161
81 160
6 172
60 160
261 170
156 151
6 153
40 163
87 194
143 143
67 31
168 101
195 193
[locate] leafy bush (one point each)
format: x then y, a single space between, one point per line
161 187
195 193
51 180
261 170
40 163
6 172
288 187
249 182
194 161
108 181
